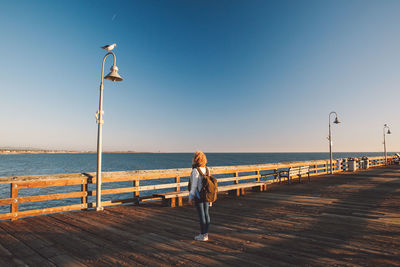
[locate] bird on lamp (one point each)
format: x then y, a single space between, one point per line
109 47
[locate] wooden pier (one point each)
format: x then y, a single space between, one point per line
339 219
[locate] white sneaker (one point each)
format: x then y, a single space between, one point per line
198 237
201 237
205 237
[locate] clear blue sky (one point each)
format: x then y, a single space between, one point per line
220 76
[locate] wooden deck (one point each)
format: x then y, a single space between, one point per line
346 219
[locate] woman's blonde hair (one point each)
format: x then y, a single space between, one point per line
199 159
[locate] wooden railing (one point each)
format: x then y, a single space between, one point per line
78 189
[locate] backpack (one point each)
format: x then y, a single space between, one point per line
208 192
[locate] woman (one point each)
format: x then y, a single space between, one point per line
195 182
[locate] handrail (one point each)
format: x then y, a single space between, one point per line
142 181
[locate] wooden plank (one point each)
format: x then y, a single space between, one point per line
161 186
152 198
5 201
6 216
48 183
172 194
158 174
239 178
116 202
134 189
53 197
227 179
114 191
35 212
240 186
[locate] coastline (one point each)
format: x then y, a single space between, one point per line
42 151
6 152
14 152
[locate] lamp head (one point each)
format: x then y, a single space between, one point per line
113 75
336 121
389 132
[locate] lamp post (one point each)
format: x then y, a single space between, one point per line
384 139
115 77
336 121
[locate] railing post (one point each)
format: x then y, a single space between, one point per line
84 190
178 189
315 168
178 180
241 190
235 192
136 194
261 187
258 175
14 204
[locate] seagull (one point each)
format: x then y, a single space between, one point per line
109 47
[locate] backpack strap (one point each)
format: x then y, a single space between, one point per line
201 173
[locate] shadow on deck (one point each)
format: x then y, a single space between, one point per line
341 219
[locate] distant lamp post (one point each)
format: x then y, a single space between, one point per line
336 121
384 139
115 77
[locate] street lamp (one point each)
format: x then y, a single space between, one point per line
115 77
336 121
384 139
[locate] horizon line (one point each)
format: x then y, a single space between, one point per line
169 152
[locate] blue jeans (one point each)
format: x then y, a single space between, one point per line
204 215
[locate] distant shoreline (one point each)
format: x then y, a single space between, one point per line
23 151
41 151
9 151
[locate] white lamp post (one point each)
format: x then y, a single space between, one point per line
336 121
115 77
384 139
